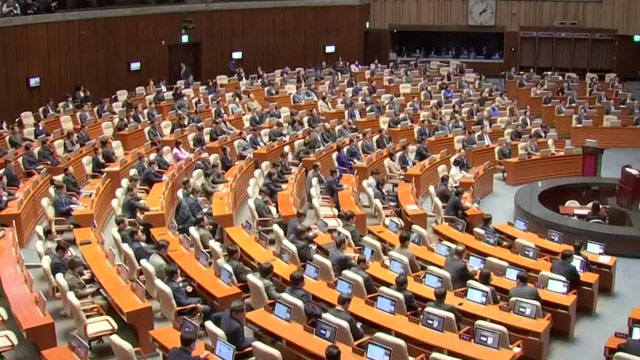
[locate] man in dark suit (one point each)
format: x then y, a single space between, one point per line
383 140
523 290
332 186
29 159
423 130
141 164
441 295
299 240
564 267
296 289
16 140
352 151
327 135
187 347
107 153
339 261
179 292
62 203
59 259
361 270
82 136
123 231
139 250
49 108
401 287
233 259
404 160
367 145
70 181
232 323
255 141
505 151
272 185
131 204
422 153
151 175
457 268
546 100
10 173
342 312
262 207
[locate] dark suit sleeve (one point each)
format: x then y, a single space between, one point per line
369 285
356 332
410 301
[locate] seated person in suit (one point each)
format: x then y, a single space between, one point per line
70 181
179 292
532 147
505 151
10 174
523 290
441 295
353 153
423 130
64 204
264 274
296 289
422 152
74 276
139 249
263 210
132 204
302 244
361 270
342 312
455 206
97 164
339 261
442 192
233 259
404 159
107 153
188 344
59 259
30 161
367 144
564 267
485 279
469 141
401 287
232 322
345 163
46 154
458 269
349 225
151 175
383 140
158 260
595 213
403 249
16 139
516 134
272 186
578 247
332 186
487 219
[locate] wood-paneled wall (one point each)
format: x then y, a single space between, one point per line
96 52
621 15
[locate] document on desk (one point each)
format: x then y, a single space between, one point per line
413 207
604 259
581 211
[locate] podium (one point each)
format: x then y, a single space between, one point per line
591 160
628 189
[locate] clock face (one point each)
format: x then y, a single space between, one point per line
482 12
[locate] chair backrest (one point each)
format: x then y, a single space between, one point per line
544 276
450 323
252 210
279 236
359 290
438 356
265 352
446 277
297 314
343 334
214 332
398 347
121 348
478 233
63 287
165 298
476 285
130 261
118 150
378 255
258 298
401 307
46 267
519 243
149 277
165 126
572 203
504 333
107 128
539 314
495 265
79 319
522 148
442 170
326 270
624 356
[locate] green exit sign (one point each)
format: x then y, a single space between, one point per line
636 38
185 38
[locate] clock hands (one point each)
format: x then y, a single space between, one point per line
486 8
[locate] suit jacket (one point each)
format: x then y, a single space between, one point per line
405 161
356 332
180 353
183 216
353 153
313 175
444 307
526 292
568 271
82 138
367 147
46 154
368 280
274 135
233 329
423 133
225 162
303 295
332 187
409 300
130 207
244 148
262 209
304 251
108 155
339 261
421 153
62 206
353 231
140 168
180 294
631 347
468 142
269 286
76 285
532 148
255 121
30 161
15 141
327 137
505 153
150 177
198 141
273 187
410 255
140 251
459 272
239 270
71 183
12 178
70 145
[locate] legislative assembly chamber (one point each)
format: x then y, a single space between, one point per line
320 179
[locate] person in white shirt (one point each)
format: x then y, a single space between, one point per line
456 174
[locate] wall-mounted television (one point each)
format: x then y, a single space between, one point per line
329 49
33 82
236 55
135 66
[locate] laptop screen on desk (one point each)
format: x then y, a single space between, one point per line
529 252
312 271
386 304
595 248
476 262
326 331
263 239
433 321
189 327
512 273
396 266
393 226
376 351
344 286
368 252
203 258
224 350
79 347
285 254
282 311
521 224
477 296
487 338
226 276
579 263
558 286
635 332
433 281
323 226
442 249
416 238
555 236
458 224
524 309
490 238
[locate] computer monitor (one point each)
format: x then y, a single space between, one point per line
521 224
135 66
386 304
490 238
247 225
487 338
376 351
224 350
476 262
263 239
396 266
477 296
511 273
393 226
138 289
555 236
323 226
285 255
326 331
189 327
368 252
33 82
558 286
282 311
595 248
442 249
123 272
524 309
529 252
458 224
226 276
203 258
311 271
432 280
579 263
433 321
329 49
79 347
236 55
344 286
635 332
416 238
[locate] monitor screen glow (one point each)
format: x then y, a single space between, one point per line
236 55
329 49
135 66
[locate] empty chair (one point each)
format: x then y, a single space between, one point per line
131 262
265 352
107 128
122 349
91 329
495 265
46 268
343 334
258 298
118 150
149 277
326 270
398 346
297 314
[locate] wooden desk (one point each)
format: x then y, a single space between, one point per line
372 125
61 352
424 174
203 278
606 264
611 346
325 159
167 338
216 146
295 337
138 314
222 204
589 282
163 197
34 325
363 170
562 124
97 207
26 210
482 184
411 211
294 196
131 139
480 155
541 168
348 200
607 137
563 307
170 140
435 145
73 160
272 151
399 134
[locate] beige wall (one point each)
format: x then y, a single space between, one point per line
622 15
